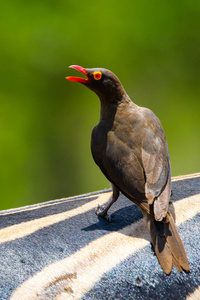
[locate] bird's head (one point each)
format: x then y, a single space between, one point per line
102 81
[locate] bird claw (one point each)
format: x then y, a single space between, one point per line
100 212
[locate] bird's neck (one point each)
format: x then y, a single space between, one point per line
109 108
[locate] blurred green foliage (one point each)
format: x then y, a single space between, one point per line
46 121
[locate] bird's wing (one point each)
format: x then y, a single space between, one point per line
155 160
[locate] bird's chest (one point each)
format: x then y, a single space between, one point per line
99 141
113 145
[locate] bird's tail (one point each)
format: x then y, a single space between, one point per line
167 244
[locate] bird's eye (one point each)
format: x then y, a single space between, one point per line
97 75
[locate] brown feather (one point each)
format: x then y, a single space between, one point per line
167 244
176 245
160 246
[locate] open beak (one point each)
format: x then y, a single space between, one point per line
78 79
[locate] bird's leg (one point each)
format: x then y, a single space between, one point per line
101 211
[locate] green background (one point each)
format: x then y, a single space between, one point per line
46 121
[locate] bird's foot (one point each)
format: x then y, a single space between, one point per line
102 212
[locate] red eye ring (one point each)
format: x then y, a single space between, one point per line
97 75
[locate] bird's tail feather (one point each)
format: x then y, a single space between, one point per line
167 244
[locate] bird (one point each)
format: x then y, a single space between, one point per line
130 147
